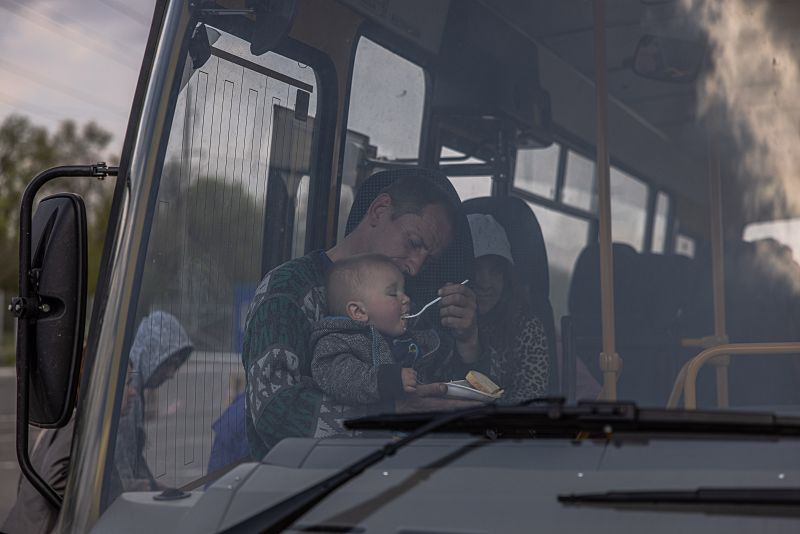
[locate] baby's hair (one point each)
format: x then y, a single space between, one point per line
347 277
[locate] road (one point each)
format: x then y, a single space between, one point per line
9 472
178 421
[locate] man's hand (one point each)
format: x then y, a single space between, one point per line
428 398
409 378
458 312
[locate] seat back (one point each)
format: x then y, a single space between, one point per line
530 261
456 262
651 291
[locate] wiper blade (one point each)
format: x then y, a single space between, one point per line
282 515
553 419
721 496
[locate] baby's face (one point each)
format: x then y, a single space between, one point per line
385 300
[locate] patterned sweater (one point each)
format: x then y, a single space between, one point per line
281 397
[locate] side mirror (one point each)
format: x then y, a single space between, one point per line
50 310
55 338
667 59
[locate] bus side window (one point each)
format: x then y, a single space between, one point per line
232 203
467 187
537 169
660 223
387 101
628 209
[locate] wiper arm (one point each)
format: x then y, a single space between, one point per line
603 419
721 496
282 515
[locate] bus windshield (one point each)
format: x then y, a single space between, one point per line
606 211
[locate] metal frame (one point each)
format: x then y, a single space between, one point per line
27 310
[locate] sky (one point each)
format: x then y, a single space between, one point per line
75 59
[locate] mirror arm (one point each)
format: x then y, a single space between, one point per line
26 307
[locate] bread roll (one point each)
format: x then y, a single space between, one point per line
483 383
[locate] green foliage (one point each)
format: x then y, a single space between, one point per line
27 149
193 264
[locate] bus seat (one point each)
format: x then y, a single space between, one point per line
530 257
650 294
454 265
761 300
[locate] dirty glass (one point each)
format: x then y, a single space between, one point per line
705 141
231 203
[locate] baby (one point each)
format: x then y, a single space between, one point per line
363 353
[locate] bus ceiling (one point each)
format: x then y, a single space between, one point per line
527 68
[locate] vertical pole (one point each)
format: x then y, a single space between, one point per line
610 362
718 267
2 318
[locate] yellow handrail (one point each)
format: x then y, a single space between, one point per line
722 354
702 342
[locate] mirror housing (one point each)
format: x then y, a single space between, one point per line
59 277
668 59
274 19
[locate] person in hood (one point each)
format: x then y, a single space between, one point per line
365 357
159 349
50 457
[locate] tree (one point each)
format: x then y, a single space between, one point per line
25 150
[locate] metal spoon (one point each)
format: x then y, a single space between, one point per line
428 305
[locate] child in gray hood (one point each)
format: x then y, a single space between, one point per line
160 347
365 357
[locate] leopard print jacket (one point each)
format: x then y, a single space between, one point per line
521 365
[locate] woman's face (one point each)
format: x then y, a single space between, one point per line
489 282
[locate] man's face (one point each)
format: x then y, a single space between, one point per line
410 239
384 300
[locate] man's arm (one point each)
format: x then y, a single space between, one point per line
276 358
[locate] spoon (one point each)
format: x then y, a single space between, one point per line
428 305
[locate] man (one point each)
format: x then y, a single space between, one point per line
411 221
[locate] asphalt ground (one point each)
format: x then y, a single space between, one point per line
9 471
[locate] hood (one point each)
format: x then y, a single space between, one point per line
160 337
338 324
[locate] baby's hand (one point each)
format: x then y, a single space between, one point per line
409 378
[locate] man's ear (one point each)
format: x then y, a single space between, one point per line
356 311
380 207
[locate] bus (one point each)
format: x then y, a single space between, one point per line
640 157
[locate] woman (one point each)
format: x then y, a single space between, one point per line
514 342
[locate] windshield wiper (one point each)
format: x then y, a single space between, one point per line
551 418
719 496
282 515
539 418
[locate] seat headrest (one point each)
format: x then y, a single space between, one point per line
649 288
456 262
525 236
